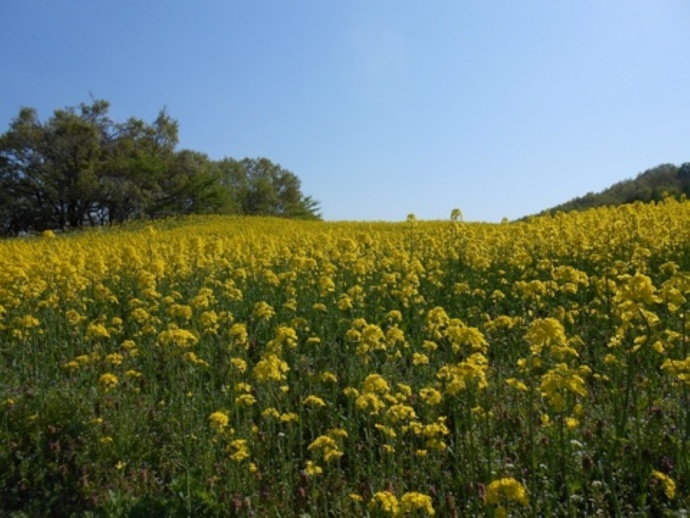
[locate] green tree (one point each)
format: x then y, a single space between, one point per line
81 168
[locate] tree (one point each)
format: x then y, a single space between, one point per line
82 168
264 188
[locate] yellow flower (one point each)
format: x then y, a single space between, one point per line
263 311
312 469
239 449
430 396
328 447
243 387
270 412
271 368
183 312
238 333
328 377
108 381
289 417
96 331
505 490
239 364
245 400
413 501
177 337
561 379
386 502
218 420
376 384
400 412
516 384
420 359
314 401
667 483
114 358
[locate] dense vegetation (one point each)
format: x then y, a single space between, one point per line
651 185
216 366
81 168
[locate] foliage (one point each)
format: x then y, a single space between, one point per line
82 168
216 366
666 180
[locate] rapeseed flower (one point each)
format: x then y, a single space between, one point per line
386 502
504 491
108 381
667 483
412 501
218 420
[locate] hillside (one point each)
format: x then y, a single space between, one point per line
651 185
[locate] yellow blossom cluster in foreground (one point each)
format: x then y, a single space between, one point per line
223 365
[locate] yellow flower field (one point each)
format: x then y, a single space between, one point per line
264 367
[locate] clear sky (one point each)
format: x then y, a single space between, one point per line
382 108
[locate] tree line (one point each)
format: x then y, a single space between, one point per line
81 168
651 185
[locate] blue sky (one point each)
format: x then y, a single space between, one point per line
500 108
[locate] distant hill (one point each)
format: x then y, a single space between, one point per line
651 185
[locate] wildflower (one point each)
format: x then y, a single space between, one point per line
471 372
562 378
209 319
386 430
183 312
312 469
239 449
289 417
420 359
285 336
239 364
270 412
238 333
245 400
429 345
516 384
430 396
678 368
375 383
328 377
571 422
140 315
114 359
108 381
314 401
369 401
505 490
386 502
270 367
328 447
178 337
667 483
263 311
218 420
413 501
545 332
400 412
74 317
96 331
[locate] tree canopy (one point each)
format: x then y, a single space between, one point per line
651 185
81 168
